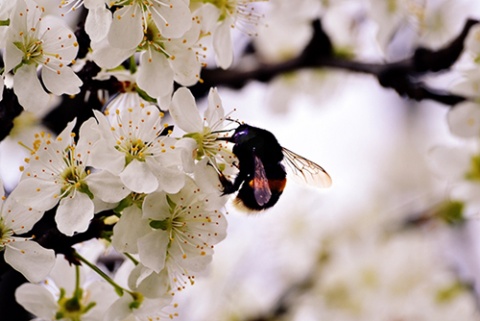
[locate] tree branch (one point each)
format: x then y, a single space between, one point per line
402 76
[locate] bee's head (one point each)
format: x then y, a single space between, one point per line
239 134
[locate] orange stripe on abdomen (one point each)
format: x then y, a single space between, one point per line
277 185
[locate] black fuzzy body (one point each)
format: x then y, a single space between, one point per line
254 144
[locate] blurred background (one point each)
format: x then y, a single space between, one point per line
348 252
367 248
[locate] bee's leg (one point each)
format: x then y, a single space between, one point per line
230 187
227 186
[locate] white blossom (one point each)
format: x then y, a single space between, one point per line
134 146
472 43
58 174
126 308
286 17
229 14
203 129
171 17
22 253
63 297
464 118
162 59
460 167
35 40
174 235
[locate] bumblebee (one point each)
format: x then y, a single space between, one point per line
262 177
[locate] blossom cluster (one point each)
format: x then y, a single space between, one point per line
459 164
168 38
157 194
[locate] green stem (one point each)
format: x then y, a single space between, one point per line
117 287
133 64
5 22
77 282
131 258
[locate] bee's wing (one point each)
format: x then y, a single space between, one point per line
261 189
305 170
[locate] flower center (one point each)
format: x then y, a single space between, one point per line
134 149
73 175
152 39
5 234
227 7
207 144
32 49
72 308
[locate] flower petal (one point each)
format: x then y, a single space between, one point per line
107 56
173 20
97 23
107 186
120 309
154 74
209 15
155 206
65 137
128 229
103 295
59 43
36 193
61 81
222 44
2 193
30 259
138 177
2 83
13 56
464 119
170 180
28 89
18 217
74 213
104 154
37 300
155 285
186 67
214 113
185 112
152 249
126 30
187 147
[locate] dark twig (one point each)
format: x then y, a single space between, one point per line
9 109
402 76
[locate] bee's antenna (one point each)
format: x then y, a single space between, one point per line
222 131
233 120
227 130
